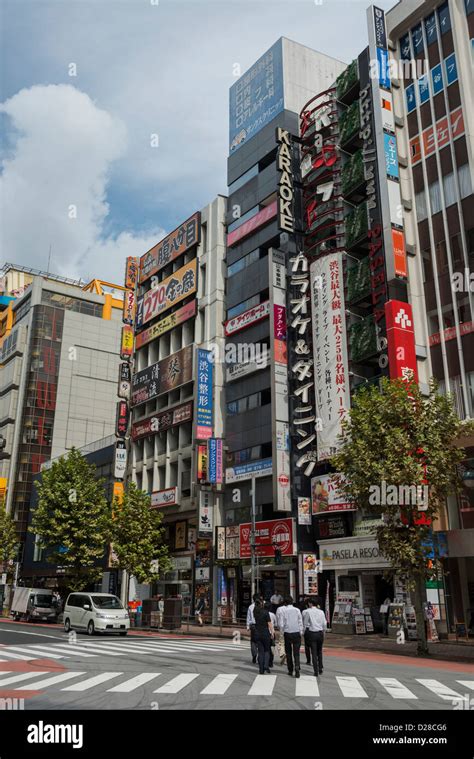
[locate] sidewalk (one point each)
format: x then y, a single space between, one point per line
446 650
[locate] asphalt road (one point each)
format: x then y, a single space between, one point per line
46 669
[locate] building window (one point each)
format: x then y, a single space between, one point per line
435 197
444 18
243 179
243 306
417 39
243 262
464 176
441 257
249 402
420 202
431 29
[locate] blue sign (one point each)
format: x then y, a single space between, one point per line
246 471
417 38
424 88
411 98
444 18
430 28
405 48
437 541
437 79
204 395
451 69
391 160
212 464
256 98
382 63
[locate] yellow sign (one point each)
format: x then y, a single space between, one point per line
118 492
3 491
126 349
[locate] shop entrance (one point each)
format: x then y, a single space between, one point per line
383 590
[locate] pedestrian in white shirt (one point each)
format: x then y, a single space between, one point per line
268 606
279 636
251 627
291 623
276 600
315 625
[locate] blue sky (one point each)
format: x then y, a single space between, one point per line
79 171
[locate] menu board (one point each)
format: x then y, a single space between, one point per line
359 620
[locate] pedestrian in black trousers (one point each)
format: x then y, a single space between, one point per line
291 624
315 626
251 628
263 636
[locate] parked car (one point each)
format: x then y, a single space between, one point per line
34 604
95 612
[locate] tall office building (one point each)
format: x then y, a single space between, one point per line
431 47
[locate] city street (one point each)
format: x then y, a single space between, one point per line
40 665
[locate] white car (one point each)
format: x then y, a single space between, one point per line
95 612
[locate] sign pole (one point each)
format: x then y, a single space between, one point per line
252 542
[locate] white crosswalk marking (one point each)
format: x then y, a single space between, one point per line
467 683
48 681
40 651
18 678
21 657
263 685
307 685
219 685
134 682
121 649
351 687
176 684
82 647
395 688
441 690
91 682
71 650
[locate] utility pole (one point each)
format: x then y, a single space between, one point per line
253 546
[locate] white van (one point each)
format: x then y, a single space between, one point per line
95 612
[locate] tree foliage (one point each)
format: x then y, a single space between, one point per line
8 540
137 536
397 436
73 518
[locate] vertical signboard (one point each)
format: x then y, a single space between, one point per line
206 506
131 272
126 345
204 394
331 375
215 447
279 381
401 341
120 465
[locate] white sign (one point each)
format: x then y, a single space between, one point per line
247 318
168 497
331 373
348 553
3 579
120 461
235 371
202 573
124 390
206 504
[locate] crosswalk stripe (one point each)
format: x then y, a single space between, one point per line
395 688
182 648
21 657
351 687
40 651
176 684
307 685
19 678
219 685
92 681
82 647
441 690
70 650
41 684
131 650
263 685
467 683
134 682
120 648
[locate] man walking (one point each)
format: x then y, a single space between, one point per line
315 625
275 601
291 624
251 627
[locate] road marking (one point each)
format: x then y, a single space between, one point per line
122 650
307 685
69 650
467 683
441 690
263 685
134 682
395 688
99 647
85 647
50 681
18 656
219 685
41 651
23 632
19 678
176 684
92 681
351 687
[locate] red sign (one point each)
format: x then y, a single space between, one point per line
399 253
430 144
249 317
261 218
122 419
450 333
131 272
277 533
401 340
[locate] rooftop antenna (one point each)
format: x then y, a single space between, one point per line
49 259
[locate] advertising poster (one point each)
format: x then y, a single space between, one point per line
131 272
172 290
304 511
204 376
326 497
128 313
162 421
172 246
168 374
310 574
277 533
202 464
164 325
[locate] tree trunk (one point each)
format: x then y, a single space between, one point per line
422 648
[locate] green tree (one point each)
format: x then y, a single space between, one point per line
8 546
397 436
73 519
137 536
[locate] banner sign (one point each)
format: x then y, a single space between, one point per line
252 316
168 497
120 466
331 373
431 142
311 566
262 468
162 421
215 460
129 303
248 227
286 218
131 272
168 374
326 496
164 325
236 371
202 464
401 340
175 244
172 290
126 344
118 492
206 507
450 333
204 394
304 511
220 542
276 533
123 415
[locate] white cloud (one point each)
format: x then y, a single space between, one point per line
54 183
